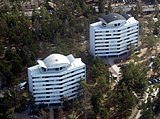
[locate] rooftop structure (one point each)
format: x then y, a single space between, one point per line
111 17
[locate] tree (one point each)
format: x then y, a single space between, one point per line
132 11
150 42
65 102
109 8
156 65
9 115
9 77
102 85
157 105
104 114
5 104
99 69
101 6
156 29
151 24
138 9
1 49
16 67
131 50
95 102
138 83
147 112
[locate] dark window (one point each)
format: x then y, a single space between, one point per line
57 69
115 24
118 24
103 24
116 34
44 69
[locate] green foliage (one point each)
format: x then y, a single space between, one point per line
134 76
6 76
131 49
99 69
157 105
147 112
1 49
156 29
104 114
156 65
101 5
9 115
150 41
95 102
122 100
137 11
109 8
5 104
138 8
16 66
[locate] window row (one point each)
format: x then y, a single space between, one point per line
58 75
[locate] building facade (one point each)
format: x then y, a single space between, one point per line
113 35
56 77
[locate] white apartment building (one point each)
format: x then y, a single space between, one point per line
113 35
56 77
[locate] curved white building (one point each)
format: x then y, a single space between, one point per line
113 34
56 77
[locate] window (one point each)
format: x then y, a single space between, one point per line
103 24
118 24
57 69
97 35
98 32
116 34
115 24
44 69
61 68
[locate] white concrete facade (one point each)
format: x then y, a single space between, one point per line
55 77
113 35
